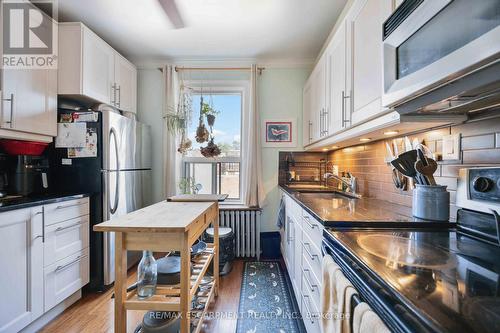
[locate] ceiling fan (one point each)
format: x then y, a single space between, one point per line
173 13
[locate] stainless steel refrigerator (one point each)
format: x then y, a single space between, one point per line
118 181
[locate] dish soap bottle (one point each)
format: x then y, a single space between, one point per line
147 275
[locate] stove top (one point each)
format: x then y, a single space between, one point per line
450 278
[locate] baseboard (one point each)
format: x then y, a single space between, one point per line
52 313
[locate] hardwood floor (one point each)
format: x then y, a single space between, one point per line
94 312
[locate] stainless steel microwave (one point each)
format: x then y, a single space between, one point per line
429 43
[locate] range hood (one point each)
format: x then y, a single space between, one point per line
475 92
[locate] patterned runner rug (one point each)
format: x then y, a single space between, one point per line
266 301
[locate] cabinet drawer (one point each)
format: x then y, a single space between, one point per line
66 210
310 314
311 283
312 228
311 254
65 238
65 277
292 207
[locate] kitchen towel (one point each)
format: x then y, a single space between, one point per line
365 320
280 222
344 294
329 305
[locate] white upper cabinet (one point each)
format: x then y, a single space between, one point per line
307 100
125 84
29 101
21 235
315 110
337 94
98 68
364 57
90 68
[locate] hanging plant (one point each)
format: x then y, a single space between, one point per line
209 112
202 134
211 150
185 144
178 118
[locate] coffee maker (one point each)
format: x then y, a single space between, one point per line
28 175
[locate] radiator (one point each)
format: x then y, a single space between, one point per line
246 228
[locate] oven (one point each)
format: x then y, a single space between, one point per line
430 43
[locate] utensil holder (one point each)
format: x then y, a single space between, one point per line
431 202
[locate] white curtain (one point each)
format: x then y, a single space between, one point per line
171 158
252 190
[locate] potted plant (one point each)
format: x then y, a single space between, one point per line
208 111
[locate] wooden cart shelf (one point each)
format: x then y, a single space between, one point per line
164 227
167 298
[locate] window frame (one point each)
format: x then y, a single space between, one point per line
222 87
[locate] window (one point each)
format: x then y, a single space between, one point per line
219 175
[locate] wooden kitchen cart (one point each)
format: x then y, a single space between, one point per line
164 227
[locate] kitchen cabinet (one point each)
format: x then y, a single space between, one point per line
91 69
302 258
364 58
65 277
21 236
315 110
29 101
307 109
125 84
45 259
337 92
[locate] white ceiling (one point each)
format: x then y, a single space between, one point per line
266 30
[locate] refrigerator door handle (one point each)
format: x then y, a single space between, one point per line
112 209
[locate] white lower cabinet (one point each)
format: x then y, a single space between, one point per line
302 256
65 277
70 236
41 264
21 259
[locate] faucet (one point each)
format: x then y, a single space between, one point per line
351 185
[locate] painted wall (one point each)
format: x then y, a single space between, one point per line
149 111
280 96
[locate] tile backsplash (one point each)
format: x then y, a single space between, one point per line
480 145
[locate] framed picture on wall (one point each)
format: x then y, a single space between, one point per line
279 133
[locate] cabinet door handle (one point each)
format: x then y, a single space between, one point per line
308 221
119 89
68 206
306 245
309 283
308 309
60 268
310 132
69 226
11 119
344 118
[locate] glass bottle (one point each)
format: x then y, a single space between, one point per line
147 275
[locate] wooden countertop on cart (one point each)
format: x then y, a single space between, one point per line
161 217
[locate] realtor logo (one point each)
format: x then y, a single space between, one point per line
29 34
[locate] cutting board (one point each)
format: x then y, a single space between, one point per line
198 197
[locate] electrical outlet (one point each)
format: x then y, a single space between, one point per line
451 147
335 170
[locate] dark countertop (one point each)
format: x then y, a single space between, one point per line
339 211
449 281
31 201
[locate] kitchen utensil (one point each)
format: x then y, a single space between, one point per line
403 180
405 163
427 170
416 143
408 145
431 202
395 176
421 157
